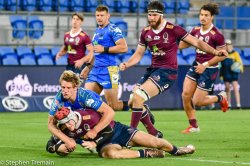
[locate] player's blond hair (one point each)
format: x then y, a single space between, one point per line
70 76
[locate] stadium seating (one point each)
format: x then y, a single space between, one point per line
62 60
12 5
23 51
91 5
19 25
28 5
123 6
61 5
7 51
10 60
55 50
243 13
246 53
110 4
36 27
188 52
225 18
170 6
180 60
77 5
28 60
183 6
45 5
146 59
45 60
2 7
42 51
121 24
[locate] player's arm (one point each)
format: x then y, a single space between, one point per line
89 62
204 46
62 52
120 47
107 116
183 45
52 127
85 59
134 59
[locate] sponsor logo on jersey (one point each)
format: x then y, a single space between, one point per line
157 38
20 85
86 117
15 104
47 101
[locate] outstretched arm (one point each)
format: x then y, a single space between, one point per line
134 59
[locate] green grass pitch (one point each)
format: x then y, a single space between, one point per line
224 140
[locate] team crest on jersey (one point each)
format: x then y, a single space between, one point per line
165 37
207 39
148 38
169 26
77 39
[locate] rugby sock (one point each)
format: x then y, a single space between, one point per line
219 98
125 106
145 119
174 151
141 153
193 122
136 116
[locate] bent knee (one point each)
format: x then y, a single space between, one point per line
110 154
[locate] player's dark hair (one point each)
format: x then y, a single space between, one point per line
213 8
70 76
155 6
101 8
79 15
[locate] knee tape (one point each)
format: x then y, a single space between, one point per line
142 93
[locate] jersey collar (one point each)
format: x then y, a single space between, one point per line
75 34
205 32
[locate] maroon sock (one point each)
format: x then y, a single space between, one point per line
193 123
136 116
148 124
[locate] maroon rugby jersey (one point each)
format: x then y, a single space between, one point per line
212 37
89 118
163 45
76 45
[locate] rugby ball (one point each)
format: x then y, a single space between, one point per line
235 67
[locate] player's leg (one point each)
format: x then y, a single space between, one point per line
228 92
115 151
93 86
237 94
146 140
140 95
189 87
111 96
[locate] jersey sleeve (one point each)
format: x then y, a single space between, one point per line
90 99
116 33
142 40
179 32
219 40
87 40
55 104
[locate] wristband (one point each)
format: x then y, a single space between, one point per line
205 64
88 64
106 50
